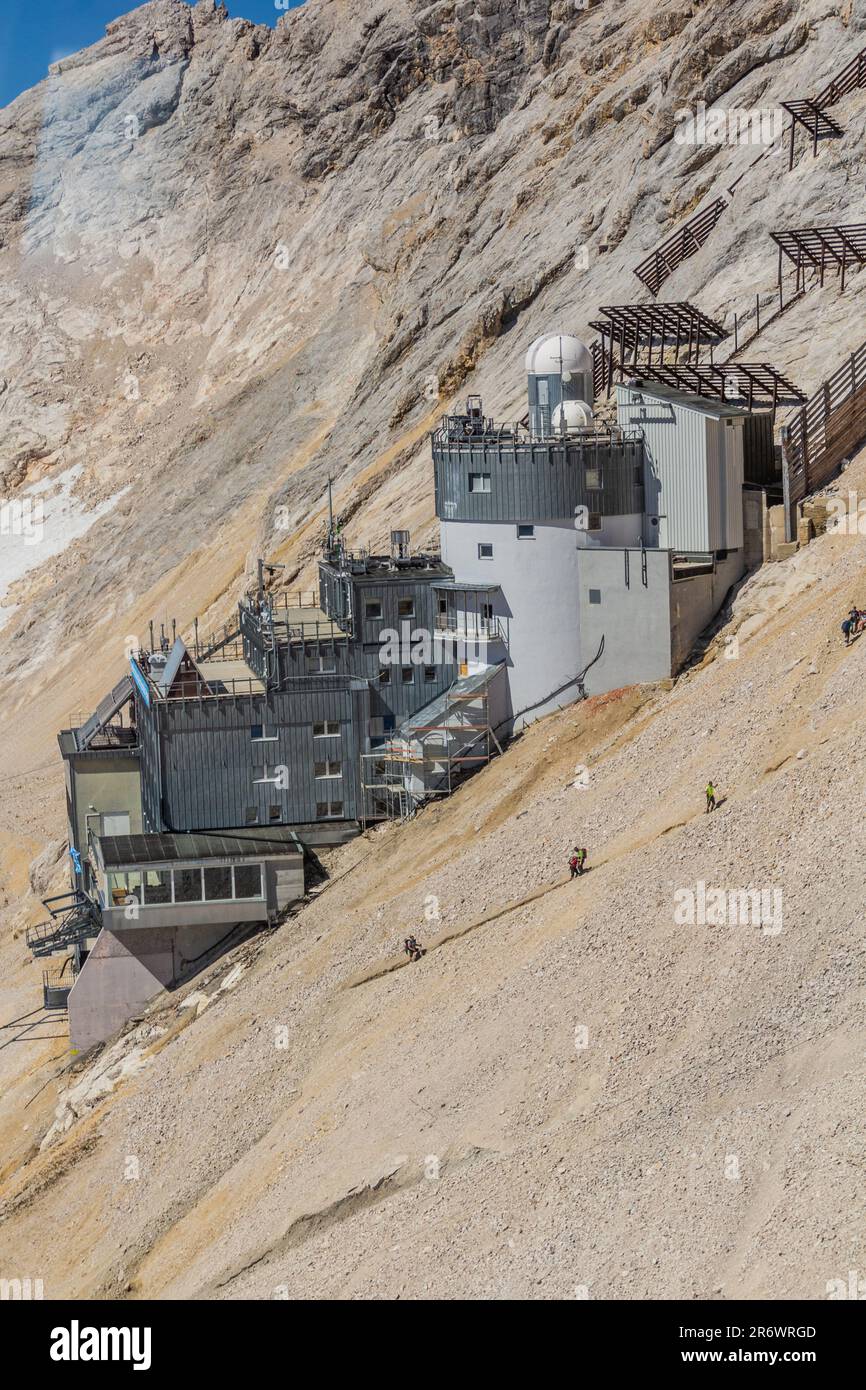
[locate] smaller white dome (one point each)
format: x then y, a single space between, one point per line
553 353
571 416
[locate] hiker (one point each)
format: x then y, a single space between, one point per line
852 624
577 861
412 949
711 797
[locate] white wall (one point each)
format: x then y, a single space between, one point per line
538 604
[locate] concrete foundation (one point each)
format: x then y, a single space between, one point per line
126 969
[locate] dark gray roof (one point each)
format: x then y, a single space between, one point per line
169 848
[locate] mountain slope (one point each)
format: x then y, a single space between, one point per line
430 177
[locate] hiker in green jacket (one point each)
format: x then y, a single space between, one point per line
711 797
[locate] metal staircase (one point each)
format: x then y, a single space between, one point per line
74 918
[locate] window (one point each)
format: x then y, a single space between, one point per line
593 521
275 813
260 773
479 482
259 734
443 606
592 478
372 608
187 885
324 809
124 886
406 608
217 884
248 880
327 660
526 533
157 887
429 674
485 550
407 675
487 612
384 675
251 816
329 767
595 595
327 728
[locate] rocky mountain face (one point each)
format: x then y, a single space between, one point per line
235 261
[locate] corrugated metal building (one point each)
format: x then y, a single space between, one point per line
694 467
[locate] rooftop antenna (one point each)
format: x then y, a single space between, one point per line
150 625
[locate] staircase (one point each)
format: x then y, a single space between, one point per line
74 918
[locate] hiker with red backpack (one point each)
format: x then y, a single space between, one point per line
577 862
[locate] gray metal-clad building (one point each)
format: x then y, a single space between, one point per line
693 467
508 480
286 757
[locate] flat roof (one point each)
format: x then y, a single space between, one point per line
704 405
231 673
126 850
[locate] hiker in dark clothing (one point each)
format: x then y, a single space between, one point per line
852 625
412 949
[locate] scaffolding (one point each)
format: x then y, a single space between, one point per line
431 752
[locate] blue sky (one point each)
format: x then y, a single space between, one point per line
34 35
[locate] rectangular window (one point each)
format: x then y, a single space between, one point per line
251 816
327 728
407 675
485 550
327 660
324 809
592 478
157 887
487 612
259 733
275 813
123 886
526 533
593 522
248 880
384 675
479 482
372 608
429 675
187 885
406 608
595 595
218 884
443 606
329 767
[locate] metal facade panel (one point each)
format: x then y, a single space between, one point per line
536 482
676 465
